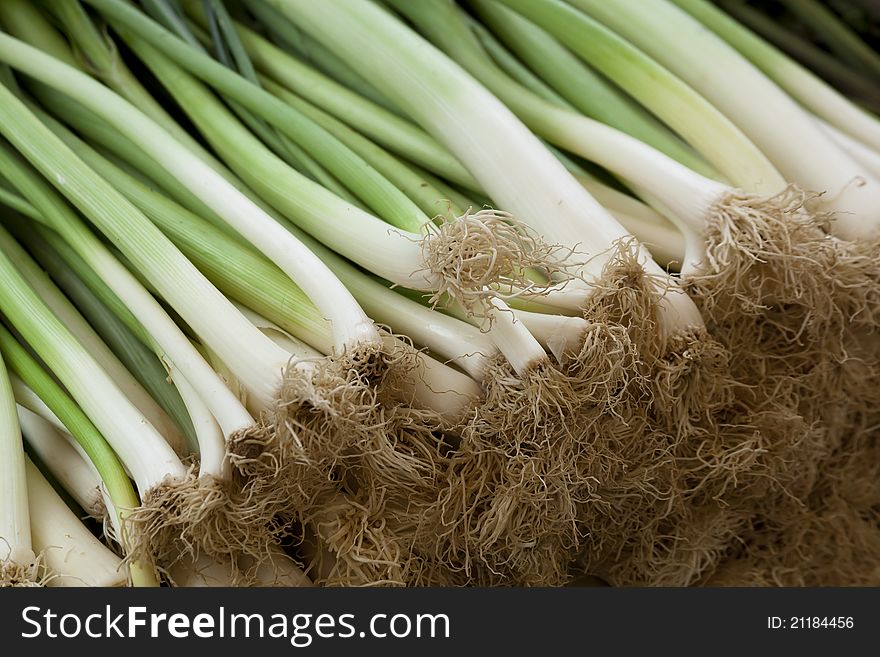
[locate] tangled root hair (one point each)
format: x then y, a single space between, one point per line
475 255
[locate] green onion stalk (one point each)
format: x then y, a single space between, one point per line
334 107
45 245
374 122
263 379
145 142
581 86
287 36
865 155
838 380
425 257
96 53
744 263
39 392
806 154
726 229
18 563
744 252
522 352
245 152
836 35
802 152
524 198
249 277
173 507
70 553
56 451
767 53
85 333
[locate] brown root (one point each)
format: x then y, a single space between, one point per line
343 442
767 251
796 310
784 296
832 546
828 535
359 549
628 296
474 255
680 550
507 510
201 516
325 410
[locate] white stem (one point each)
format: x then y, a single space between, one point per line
803 85
176 278
309 273
175 349
447 337
76 475
867 156
27 398
619 202
71 553
664 242
562 335
692 257
137 443
514 340
686 193
433 384
783 130
59 304
203 571
15 527
295 347
659 235
212 443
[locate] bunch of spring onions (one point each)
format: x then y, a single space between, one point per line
448 292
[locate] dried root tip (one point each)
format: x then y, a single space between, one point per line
768 251
739 572
340 424
201 516
604 371
691 384
475 254
505 512
861 279
679 551
359 548
833 546
16 575
626 295
272 466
